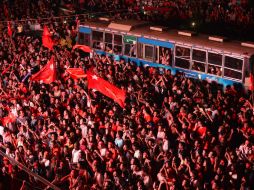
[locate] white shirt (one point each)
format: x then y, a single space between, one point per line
160 135
14 111
137 154
46 162
165 145
84 130
103 152
76 155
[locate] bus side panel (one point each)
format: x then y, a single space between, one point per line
155 42
85 30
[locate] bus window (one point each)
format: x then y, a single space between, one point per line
149 52
232 74
182 63
118 42
164 56
130 46
198 55
108 42
233 63
214 70
130 50
183 52
97 38
198 66
215 59
127 49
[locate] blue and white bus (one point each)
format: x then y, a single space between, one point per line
198 56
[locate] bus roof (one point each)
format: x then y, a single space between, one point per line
139 28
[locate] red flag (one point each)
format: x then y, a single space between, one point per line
47 74
46 31
47 42
76 73
106 88
46 38
8 119
84 48
4 71
9 30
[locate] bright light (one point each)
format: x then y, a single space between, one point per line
193 24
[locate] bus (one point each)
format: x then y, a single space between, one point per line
199 56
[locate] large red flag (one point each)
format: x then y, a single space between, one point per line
84 48
46 38
106 88
47 74
8 119
76 73
9 30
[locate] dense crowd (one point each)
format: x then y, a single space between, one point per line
174 132
219 11
222 11
228 11
229 18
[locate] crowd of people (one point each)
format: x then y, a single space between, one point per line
229 11
230 18
219 11
173 133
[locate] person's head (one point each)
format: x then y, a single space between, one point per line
73 173
247 143
100 145
181 146
76 146
110 145
145 155
125 147
133 139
